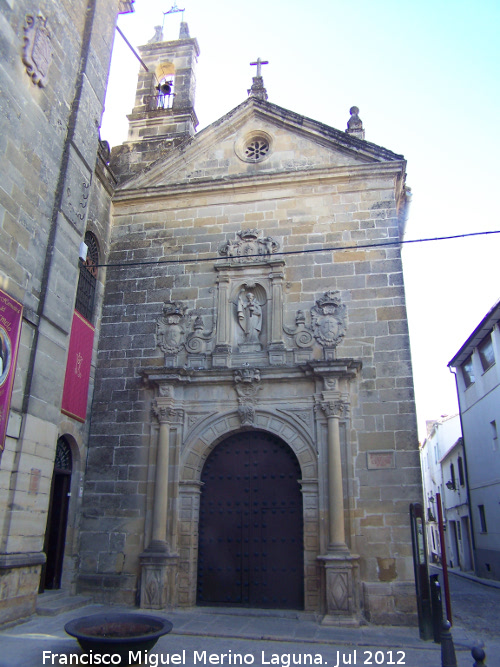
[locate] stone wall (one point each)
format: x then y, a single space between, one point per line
348 205
50 112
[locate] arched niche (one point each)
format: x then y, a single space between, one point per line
198 445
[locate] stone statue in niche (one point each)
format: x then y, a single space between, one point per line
328 319
249 247
249 314
170 331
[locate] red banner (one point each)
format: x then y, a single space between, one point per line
76 381
11 314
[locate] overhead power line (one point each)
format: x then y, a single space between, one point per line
358 246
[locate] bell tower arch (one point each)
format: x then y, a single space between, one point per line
163 115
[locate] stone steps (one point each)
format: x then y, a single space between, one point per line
51 603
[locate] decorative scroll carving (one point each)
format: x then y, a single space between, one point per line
196 342
153 587
247 384
246 411
249 247
338 591
303 415
37 50
330 383
328 318
170 331
166 390
301 334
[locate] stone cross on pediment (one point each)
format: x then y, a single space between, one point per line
259 64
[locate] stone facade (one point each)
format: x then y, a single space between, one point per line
53 75
258 287
227 311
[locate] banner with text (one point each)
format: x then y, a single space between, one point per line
76 381
11 314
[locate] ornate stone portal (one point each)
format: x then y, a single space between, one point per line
245 345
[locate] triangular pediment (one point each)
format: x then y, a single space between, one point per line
258 138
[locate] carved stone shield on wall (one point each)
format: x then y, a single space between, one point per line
37 52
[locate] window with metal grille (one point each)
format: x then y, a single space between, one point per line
482 518
85 293
468 372
461 475
486 353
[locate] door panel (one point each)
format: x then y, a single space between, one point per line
250 531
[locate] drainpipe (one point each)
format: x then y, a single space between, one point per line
58 199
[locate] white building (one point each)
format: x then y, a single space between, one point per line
478 387
456 508
444 473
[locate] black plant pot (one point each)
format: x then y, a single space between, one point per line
118 633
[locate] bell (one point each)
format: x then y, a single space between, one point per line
165 88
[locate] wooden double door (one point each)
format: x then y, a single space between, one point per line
251 525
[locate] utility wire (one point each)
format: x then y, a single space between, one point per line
359 246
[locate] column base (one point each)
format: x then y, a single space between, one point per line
342 599
158 575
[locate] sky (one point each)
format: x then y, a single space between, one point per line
425 77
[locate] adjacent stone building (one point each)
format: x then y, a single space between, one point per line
55 194
253 436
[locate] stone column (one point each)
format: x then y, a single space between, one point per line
341 566
277 345
158 565
334 410
162 410
222 351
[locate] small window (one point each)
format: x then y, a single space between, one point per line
452 473
461 477
494 434
85 292
482 518
486 353
468 372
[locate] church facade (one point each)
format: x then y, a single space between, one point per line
253 439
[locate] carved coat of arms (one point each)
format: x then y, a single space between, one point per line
249 247
170 331
37 51
328 318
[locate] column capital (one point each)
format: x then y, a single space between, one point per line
335 408
164 411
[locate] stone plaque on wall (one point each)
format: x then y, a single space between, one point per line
380 460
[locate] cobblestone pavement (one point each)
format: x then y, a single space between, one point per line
474 606
208 636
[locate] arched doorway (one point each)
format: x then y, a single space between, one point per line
251 526
55 533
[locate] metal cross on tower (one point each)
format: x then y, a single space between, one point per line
173 10
259 63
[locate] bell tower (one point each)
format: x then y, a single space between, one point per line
163 115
